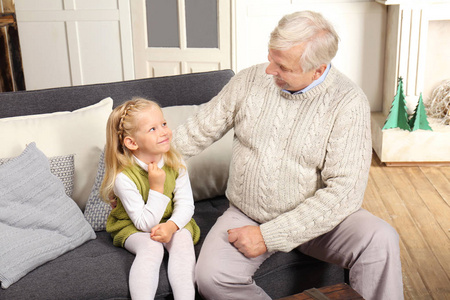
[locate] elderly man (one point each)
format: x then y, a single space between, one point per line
300 164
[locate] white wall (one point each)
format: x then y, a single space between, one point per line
361 26
72 42
437 60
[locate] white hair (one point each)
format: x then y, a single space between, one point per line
306 27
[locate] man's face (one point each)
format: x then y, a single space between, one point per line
285 67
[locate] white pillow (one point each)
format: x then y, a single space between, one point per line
209 170
81 132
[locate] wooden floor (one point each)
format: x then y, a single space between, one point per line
416 202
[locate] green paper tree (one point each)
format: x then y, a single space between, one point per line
398 115
419 119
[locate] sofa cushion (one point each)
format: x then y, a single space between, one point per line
62 167
38 221
81 132
209 170
97 210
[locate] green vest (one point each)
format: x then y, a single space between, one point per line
120 225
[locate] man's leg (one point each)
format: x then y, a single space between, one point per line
222 272
369 247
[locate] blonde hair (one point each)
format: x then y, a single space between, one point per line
306 27
122 123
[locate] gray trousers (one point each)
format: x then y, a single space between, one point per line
362 243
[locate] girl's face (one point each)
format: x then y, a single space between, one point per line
152 136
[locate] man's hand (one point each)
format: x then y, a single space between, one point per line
163 232
248 240
156 177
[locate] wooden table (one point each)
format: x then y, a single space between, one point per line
338 291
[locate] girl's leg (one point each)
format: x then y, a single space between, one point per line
144 272
181 264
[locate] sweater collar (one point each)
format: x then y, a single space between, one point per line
313 91
314 83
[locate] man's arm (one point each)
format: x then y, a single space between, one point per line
212 121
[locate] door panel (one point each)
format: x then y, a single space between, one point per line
74 42
201 45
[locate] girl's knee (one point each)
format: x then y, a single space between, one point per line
182 236
181 241
151 248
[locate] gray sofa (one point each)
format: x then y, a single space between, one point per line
97 269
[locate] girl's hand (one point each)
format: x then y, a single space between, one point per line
163 232
113 203
156 177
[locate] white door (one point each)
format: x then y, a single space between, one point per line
172 37
74 42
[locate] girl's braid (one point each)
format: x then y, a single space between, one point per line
120 128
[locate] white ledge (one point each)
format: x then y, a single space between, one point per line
397 146
411 2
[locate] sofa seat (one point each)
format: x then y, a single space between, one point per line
99 270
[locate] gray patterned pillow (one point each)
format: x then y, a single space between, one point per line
62 167
97 211
38 221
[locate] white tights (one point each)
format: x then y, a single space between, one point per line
144 273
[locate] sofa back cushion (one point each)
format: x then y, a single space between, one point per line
208 171
187 89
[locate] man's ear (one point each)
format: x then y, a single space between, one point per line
319 71
130 143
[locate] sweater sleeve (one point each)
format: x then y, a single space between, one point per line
212 121
344 176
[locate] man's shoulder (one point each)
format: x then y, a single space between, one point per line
343 85
255 74
343 82
257 69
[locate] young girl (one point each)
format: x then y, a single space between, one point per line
154 199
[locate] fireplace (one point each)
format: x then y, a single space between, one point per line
417 51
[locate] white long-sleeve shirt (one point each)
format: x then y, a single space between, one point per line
147 215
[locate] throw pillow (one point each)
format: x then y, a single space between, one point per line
60 166
38 221
208 171
97 211
81 132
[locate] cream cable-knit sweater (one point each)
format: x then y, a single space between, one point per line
300 163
